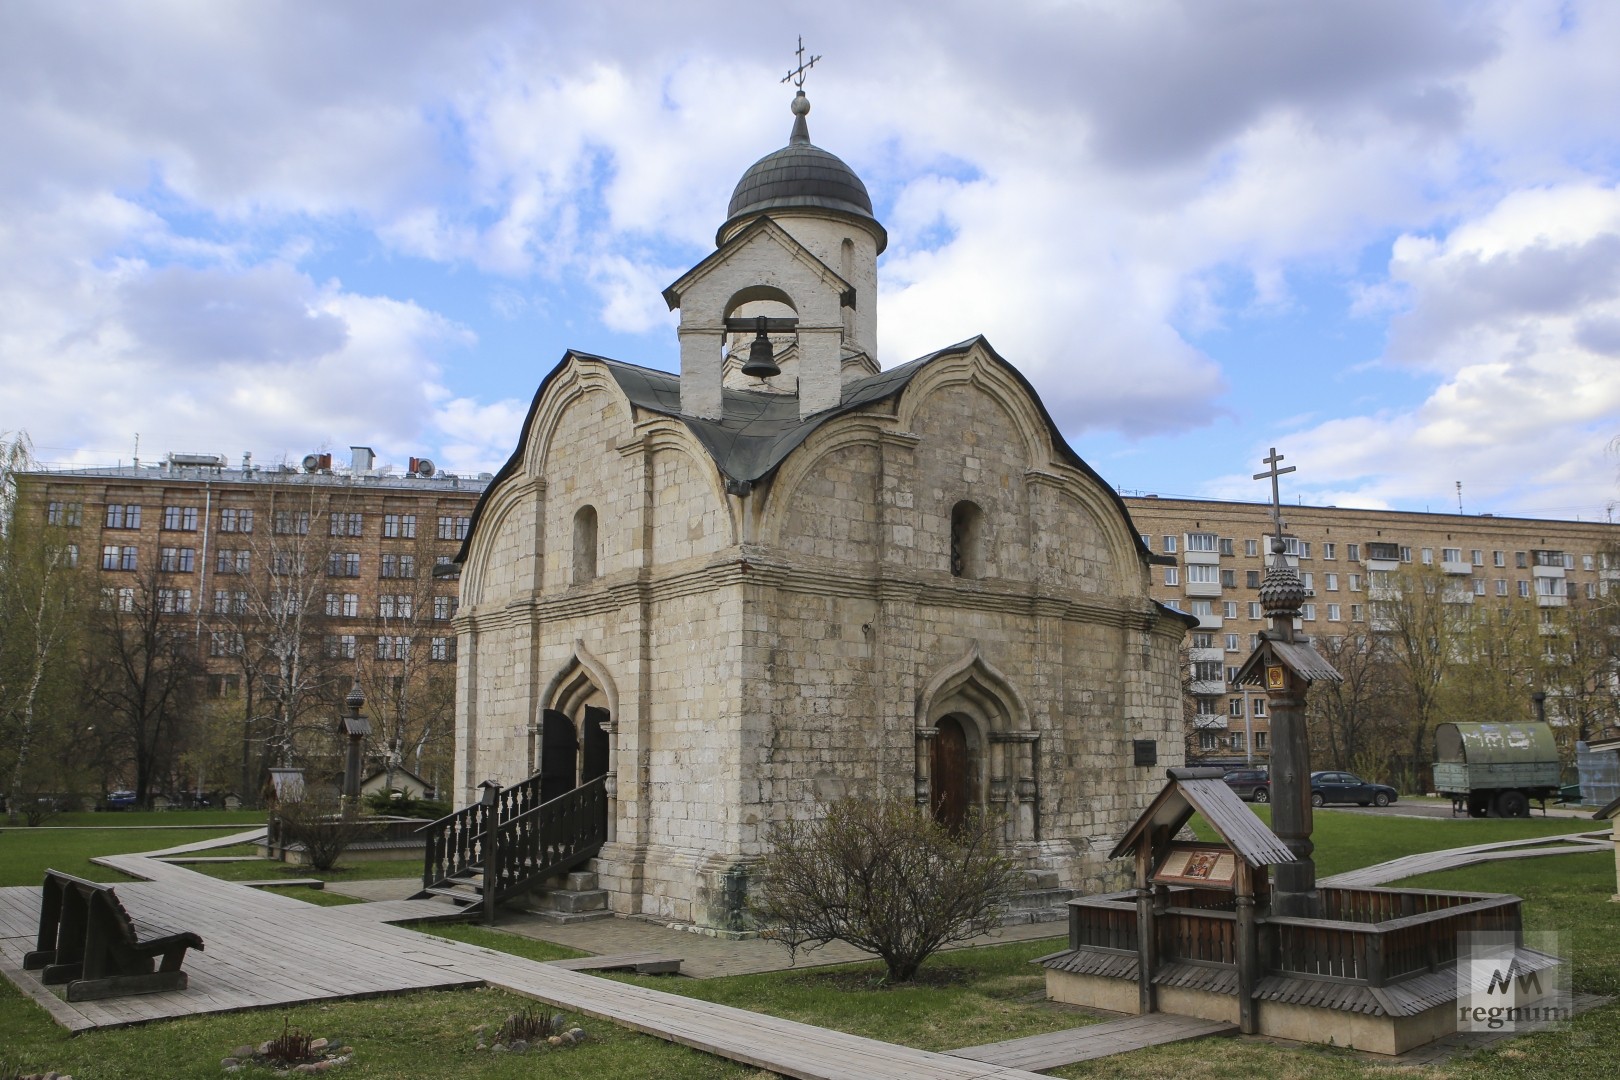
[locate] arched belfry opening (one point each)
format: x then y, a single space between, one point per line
967 540
977 749
762 325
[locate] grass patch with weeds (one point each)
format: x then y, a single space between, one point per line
25 854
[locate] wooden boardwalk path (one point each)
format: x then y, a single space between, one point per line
1058 1048
1428 862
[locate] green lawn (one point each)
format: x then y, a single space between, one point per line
26 853
966 997
144 819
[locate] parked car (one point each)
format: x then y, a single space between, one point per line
1250 784
1343 787
120 800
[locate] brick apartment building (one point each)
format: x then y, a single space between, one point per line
354 547
1344 557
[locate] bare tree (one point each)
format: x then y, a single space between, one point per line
143 675
43 604
886 877
1420 625
1351 721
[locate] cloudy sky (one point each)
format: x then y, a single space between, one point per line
1382 235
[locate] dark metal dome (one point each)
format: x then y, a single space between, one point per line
801 176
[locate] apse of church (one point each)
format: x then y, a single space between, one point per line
787 575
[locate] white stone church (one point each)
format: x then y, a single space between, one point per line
788 575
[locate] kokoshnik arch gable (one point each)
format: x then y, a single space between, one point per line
788 575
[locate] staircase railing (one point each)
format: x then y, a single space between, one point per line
532 839
549 838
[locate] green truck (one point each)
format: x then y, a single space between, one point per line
1494 770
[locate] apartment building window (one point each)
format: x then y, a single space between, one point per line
1498 558
1231 643
1452 555
1501 587
1202 541
114 557
343 564
230 603
1231 674
286 563
1586 562
404 566
1591 590
444 648
232 561
453 528
1206 670
1229 609
1332 582
1173 603
1202 574
1172 575
1203 609
1524 588
234 520
284 603
345 605
399 526
1237 740
1169 545
71 551
1203 641
1352 552
394 606
444 607
1479 586
118 599
1308 612
123 516
1254 610
1147 541
174 601
393 647
340 646
1520 561
177 560
1206 740
1333 613
180 518
1546 586
1293 545
1260 740
1569 561
1258 706
1251 548
1355 582
1428 556
1234 708
222 643
1357 613
1251 578
1477 556
69 514
291 523
1406 554
1309 581
347 524
1226 545
1228 579
1330 551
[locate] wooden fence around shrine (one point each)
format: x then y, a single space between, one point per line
1370 936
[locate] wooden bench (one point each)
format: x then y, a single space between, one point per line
88 941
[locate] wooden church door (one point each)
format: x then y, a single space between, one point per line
559 749
593 761
950 791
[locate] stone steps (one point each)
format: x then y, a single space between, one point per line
579 899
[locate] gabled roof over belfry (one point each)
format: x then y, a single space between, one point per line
759 431
760 229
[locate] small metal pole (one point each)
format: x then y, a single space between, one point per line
492 851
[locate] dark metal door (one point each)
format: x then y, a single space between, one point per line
559 750
948 773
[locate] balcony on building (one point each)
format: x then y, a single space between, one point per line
1457 566
1195 655
1209 721
1209 589
1460 593
1207 687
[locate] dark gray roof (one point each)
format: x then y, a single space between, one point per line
758 431
801 175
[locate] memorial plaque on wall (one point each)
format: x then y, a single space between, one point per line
1207 865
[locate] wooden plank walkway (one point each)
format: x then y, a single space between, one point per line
1428 862
1058 1048
645 963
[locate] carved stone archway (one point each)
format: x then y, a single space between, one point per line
578 722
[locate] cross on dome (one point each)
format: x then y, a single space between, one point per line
796 76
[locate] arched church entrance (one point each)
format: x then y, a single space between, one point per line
951 767
574 738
